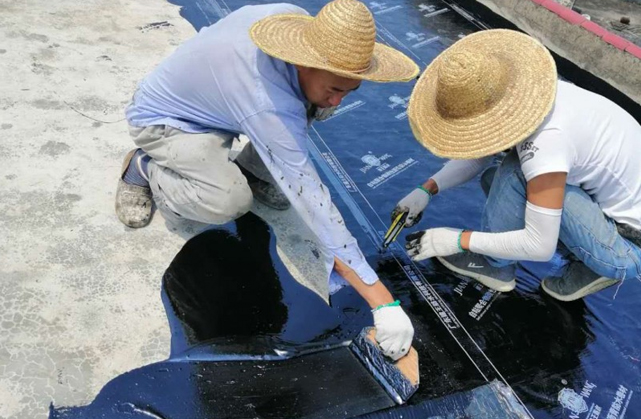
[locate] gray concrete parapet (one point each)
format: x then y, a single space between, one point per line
568 34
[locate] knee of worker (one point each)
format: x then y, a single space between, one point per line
583 216
506 197
577 200
510 168
508 184
587 231
220 207
487 178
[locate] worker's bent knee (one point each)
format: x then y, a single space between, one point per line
239 203
222 208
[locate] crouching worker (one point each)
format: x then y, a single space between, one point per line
565 203
264 71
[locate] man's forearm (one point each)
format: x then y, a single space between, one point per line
375 294
457 172
431 186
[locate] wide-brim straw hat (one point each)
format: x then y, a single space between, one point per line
484 94
340 39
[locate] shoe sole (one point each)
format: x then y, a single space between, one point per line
595 286
144 217
489 282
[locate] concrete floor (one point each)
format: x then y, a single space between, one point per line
607 13
79 292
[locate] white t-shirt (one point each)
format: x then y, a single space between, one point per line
597 144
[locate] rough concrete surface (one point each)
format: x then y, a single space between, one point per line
79 292
608 14
574 43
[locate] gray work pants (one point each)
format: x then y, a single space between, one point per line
192 177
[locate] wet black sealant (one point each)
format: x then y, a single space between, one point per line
249 341
562 360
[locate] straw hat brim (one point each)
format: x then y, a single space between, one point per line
281 36
529 98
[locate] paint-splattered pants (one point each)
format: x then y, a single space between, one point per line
192 177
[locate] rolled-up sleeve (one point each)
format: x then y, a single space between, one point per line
280 138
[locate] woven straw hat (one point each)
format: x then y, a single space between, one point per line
340 39
484 94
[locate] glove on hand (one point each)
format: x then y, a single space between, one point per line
443 241
394 331
414 203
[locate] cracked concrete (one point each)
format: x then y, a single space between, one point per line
79 292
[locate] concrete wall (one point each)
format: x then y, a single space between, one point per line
606 55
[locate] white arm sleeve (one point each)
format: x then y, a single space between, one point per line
536 242
457 172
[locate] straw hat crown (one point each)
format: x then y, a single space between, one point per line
344 34
340 39
469 84
484 94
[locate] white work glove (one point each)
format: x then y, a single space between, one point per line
414 203
394 331
442 241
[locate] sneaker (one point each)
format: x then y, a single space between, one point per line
476 266
265 192
133 202
577 282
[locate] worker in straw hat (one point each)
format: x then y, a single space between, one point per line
265 71
565 203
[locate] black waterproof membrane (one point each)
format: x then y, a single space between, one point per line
248 341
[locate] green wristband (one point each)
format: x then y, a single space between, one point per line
425 190
392 304
458 242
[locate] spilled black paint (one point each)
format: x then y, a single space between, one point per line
247 341
226 283
250 341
